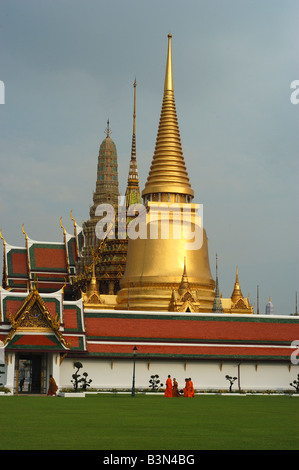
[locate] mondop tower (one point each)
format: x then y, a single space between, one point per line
165 273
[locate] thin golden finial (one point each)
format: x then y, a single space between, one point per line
1 236
168 85
75 233
26 236
62 226
134 113
63 287
35 283
71 213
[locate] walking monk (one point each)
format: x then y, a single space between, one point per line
168 391
185 389
52 386
175 390
190 388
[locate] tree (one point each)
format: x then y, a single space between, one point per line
1 372
84 381
295 384
155 383
76 375
231 381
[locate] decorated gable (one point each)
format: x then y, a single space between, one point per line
35 321
32 319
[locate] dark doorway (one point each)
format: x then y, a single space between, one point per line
36 374
30 373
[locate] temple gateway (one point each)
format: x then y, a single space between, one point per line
106 301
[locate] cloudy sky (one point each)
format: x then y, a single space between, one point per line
69 65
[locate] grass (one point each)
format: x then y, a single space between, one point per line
147 422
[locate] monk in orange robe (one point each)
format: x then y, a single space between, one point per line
190 388
168 391
175 389
185 389
52 386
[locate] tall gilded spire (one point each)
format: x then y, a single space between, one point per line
132 191
168 173
217 306
237 293
168 84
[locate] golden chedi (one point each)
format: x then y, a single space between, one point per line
172 244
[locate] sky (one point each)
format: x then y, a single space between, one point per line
69 65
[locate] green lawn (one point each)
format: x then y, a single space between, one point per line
147 422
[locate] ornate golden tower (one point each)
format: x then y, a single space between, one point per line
157 260
106 266
132 191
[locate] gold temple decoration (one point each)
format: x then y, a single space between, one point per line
184 299
27 252
4 280
23 230
237 293
154 266
239 304
132 191
168 173
34 316
2 238
75 232
92 296
64 231
66 249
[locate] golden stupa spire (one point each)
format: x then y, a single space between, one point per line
133 171
168 84
133 191
184 286
237 293
168 173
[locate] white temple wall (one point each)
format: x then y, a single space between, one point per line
206 375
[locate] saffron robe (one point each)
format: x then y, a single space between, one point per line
190 389
168 391
185 389
52 387
175 391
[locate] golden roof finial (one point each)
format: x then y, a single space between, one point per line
26 236
168 173
35 283
1 236
63 287
62 226
168 84
71 214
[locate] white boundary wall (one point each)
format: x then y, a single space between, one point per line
206 375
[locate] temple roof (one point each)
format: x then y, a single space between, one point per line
34 321
50 264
